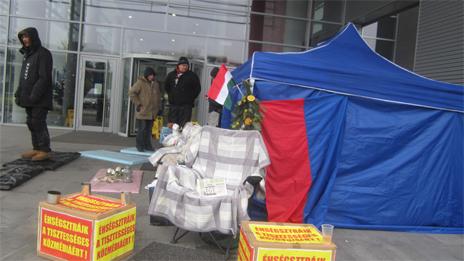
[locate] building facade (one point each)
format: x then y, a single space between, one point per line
99 47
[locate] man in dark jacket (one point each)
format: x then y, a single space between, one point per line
35 91
182 87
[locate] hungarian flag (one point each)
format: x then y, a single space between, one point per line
219 90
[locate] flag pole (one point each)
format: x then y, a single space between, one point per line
238 87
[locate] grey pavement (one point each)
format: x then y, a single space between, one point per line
18 208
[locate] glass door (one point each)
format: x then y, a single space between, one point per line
200 111
162 67
96 86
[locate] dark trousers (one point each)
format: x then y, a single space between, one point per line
37 124
143 138
180 114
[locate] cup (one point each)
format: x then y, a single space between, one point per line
327 232
85 188
53 196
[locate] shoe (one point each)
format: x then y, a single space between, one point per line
29 154
41 155
140 150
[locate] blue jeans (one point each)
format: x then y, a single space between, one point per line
143 138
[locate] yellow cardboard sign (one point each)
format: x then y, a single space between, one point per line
286 234
90 203
266 254
244 250
115 235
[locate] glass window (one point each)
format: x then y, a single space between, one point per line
277 29
138 41
3 29
254 47
101 39
192 21
328 10
225 51
384 28
63 80
53 35
135 14
321 32
230 6
4 6
61 10
382 47
295 8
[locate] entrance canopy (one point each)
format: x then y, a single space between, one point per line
358 141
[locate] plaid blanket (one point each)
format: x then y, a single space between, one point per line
181 152
220 153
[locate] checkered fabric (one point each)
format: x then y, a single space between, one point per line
220 153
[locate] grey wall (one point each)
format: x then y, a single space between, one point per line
440 41
364 12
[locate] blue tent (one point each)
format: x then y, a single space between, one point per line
358 141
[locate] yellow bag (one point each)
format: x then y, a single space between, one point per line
157 125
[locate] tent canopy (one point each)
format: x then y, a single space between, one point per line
356 140
346 65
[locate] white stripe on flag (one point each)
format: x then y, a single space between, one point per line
222 96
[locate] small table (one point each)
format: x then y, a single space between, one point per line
116 187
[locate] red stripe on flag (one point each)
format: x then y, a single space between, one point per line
288 178
217 83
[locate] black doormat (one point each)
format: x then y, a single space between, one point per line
162 252
15 173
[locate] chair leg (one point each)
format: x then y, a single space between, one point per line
215 241
174 239
229 244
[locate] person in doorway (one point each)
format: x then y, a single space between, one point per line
145 94
35 92
183 87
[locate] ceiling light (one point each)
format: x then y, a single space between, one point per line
130 17
173 14
173 40
141 39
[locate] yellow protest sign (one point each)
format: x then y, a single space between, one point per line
266 254
285 234
115 235
90 203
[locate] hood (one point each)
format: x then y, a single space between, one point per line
34 35
142 78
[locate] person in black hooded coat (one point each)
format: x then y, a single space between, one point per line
35 91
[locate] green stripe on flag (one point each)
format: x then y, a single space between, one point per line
228 101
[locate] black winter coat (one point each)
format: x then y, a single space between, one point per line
35 83
187 89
